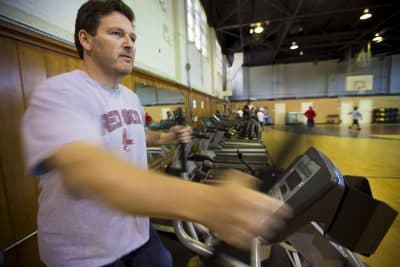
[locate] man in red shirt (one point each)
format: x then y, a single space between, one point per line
310 114
148 119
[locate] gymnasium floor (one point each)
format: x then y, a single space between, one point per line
374 152
384 131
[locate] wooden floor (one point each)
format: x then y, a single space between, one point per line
375 158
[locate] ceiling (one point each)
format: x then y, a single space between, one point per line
323 29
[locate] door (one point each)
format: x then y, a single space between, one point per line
280 110
365 108
346 107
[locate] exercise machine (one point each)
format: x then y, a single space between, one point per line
334 215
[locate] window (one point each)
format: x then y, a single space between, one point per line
197 28
190 20
203 31
218 58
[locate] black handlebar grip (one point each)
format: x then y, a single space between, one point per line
183 157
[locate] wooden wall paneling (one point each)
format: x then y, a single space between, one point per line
202 108
127 81
33 68
20 190
133 82
210 105
10 259
73 63
199 110
6 239
56 63
5 226
28 253
193 109
6 234
207 106
9 85
186 106
32 61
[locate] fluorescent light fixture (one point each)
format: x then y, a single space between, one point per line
377 38
294 46
366 15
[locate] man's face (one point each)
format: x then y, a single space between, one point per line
113 47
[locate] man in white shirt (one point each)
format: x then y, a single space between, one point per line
84 135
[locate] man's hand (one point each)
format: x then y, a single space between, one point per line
180 134
175 135
238 214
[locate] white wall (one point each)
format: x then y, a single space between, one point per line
56 18
155 43
324 78
235 77
395 74
161 45
217 77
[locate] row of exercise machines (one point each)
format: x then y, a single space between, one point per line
335 216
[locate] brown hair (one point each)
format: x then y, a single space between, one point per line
90 13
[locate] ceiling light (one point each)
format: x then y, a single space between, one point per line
377 38
366 15
294 46
258 29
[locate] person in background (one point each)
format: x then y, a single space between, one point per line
239 114
356 115
310 114
260 116
247 110
83 134
148 119
169 115
267 117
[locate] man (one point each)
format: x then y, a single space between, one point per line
356 115
148 119
310 114
247 110
239 114
83 133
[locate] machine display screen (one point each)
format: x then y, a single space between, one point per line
293 180
304 169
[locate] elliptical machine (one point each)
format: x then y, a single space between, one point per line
335 216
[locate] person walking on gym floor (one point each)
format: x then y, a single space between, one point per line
84 135
310 114
356 116
247 110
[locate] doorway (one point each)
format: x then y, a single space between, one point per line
365 108
280 111
346 107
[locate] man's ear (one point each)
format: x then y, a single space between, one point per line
85 39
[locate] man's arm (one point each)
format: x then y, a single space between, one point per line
97 173
174 135
234 211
